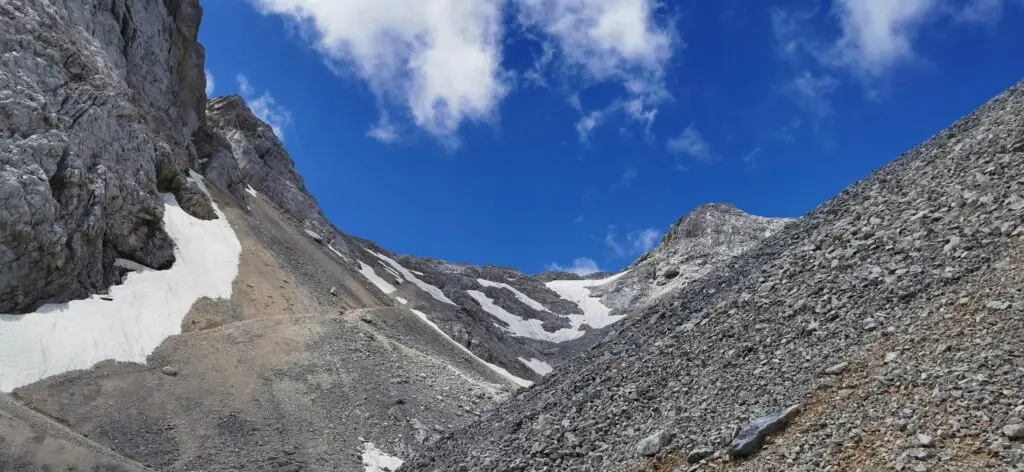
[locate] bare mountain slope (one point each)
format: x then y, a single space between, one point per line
883 327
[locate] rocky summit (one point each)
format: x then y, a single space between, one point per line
175 299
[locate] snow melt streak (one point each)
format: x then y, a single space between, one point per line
508 375
146 309
432 290
375 279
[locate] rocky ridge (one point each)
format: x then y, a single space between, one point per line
882 325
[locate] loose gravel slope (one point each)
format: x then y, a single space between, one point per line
911 277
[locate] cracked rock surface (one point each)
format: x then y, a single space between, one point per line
99 102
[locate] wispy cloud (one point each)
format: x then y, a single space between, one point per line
626 179
643 241
635 243
983 12
579 266
265 107
811 92
211 83
690 142
384 130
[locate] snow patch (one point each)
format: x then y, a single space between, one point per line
504 373
522 327
251 191
394 274
130 265
136 316
313 234
402 300
430 289
376 460
595 314
520 295
335 251
375 279
538 366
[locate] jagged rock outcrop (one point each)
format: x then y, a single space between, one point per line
700 242
912 276
265 164
99 103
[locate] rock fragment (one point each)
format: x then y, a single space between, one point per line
752 436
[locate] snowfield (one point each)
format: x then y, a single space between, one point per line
432 290
504 373
375 279
376 460
135 317
595 314
522 327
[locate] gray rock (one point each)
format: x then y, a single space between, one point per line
169 371
752 436
925 440
837 369
652 444
1014 431
699 454
100 100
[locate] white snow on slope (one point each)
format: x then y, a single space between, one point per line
335 251
402 300
522 327
538 366
595 314
504 373
376 460
147 308
432 290
375 279
394 274
520 295
251 191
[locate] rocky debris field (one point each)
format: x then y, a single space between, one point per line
286 393
890 319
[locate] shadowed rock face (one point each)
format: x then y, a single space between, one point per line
100 101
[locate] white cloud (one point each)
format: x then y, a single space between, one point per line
643 241
265 107
210 83
580 266
691 143
626 180
597 41
439 59
877 34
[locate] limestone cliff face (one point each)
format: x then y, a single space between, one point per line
97 112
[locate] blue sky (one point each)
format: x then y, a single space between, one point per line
571 133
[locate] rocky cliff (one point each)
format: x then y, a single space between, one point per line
97 112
